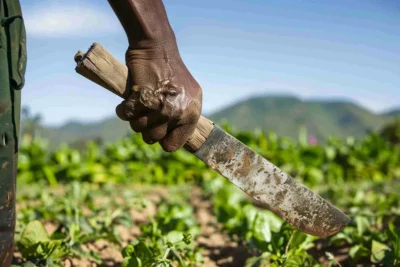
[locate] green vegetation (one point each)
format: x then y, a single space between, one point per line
393 113
132 204
284 115
391 132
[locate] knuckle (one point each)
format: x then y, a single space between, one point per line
193 117
126 110
131 104
149 98
195 110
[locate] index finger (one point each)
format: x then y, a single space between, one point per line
131 109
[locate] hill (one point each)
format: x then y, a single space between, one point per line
284 115
392 113
107 130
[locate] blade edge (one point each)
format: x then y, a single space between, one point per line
268 185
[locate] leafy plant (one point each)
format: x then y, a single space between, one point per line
88 196
36 246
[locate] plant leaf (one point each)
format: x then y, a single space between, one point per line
378 251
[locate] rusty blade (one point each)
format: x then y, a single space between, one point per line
270 186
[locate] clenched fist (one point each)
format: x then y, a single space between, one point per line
165 103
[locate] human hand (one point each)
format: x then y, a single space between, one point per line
165 101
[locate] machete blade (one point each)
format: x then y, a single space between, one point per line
270 186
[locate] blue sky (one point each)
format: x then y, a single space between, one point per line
331 49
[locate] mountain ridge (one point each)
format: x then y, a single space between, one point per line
283 114
286 114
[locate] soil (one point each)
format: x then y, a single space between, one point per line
218 249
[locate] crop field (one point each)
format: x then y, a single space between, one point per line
131 204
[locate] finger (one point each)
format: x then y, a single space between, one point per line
155 134
131 108
147 121
121 113
177 137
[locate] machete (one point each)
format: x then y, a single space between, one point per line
262 180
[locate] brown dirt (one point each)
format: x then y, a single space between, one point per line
217 248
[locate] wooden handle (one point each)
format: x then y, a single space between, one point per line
99 66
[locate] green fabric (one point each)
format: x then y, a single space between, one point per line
14 23
12 72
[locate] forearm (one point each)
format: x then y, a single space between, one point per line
145 22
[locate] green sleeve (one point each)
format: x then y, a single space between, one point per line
12 73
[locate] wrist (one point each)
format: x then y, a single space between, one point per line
145 22
161 48
156 41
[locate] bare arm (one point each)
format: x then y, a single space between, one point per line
144 21
166 100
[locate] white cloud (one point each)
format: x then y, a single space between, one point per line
67 20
